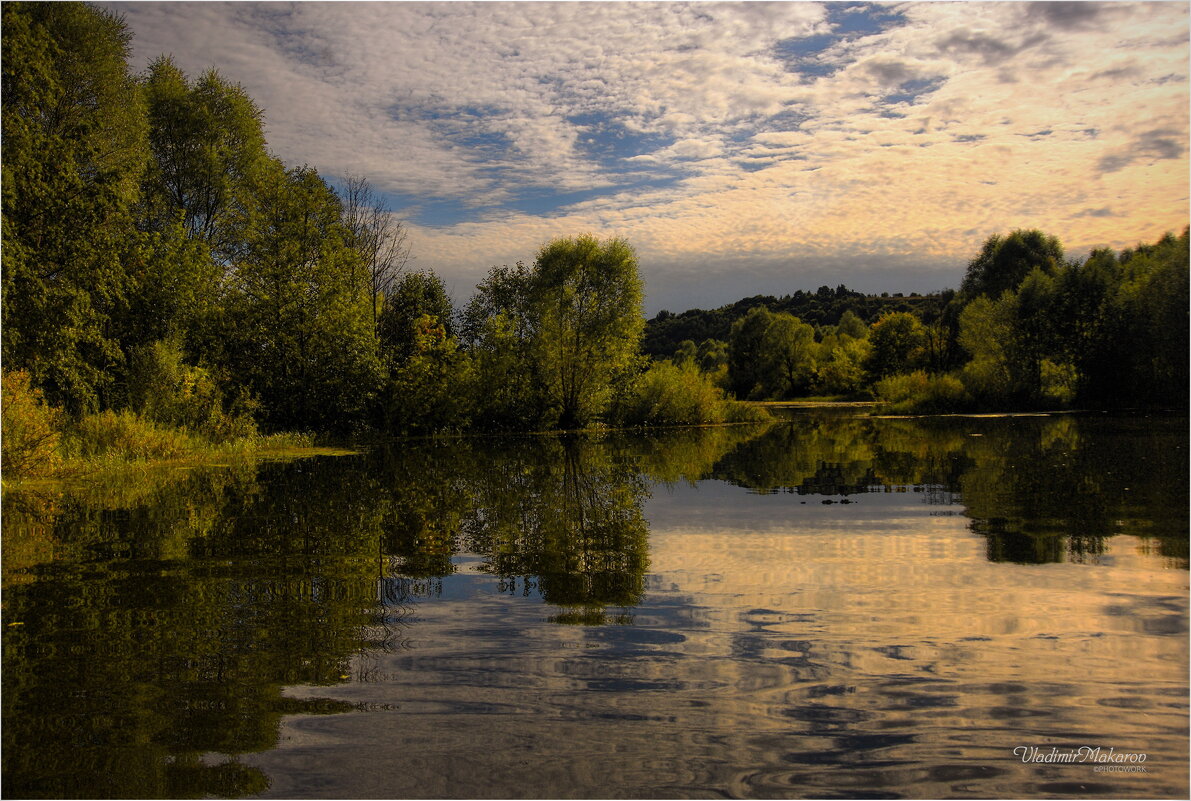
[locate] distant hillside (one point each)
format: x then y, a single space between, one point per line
824 306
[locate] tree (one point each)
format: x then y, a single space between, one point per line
300 333
585 297
712 356
686 353
852 326
380 237
788 355
497 325
896 341
74 134
1004 262
746 348
430 389
208 151
415 295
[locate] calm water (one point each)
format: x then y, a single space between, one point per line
831 607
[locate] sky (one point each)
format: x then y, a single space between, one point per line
740 148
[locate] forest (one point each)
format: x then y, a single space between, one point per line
169 285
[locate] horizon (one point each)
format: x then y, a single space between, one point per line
741 149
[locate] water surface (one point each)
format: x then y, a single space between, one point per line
830 607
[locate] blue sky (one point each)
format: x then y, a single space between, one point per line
741 148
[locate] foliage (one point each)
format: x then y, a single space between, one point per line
166 390
824 307
74 136
208 152
746 373
895 345
1005 261
670 394
841 369
415 295
919 393
585 300
31 429
431 390
299 332
126 436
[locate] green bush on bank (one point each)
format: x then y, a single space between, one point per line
31 429
669 394
919 393
42 441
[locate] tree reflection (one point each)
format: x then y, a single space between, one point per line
163 627
1041 489
151 626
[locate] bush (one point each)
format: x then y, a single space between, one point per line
166 390
125 436
31 429
919 393
669 394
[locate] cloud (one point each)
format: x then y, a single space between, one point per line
715 136
1150 146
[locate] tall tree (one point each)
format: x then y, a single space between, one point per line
788 355
380 237
586 298
896 341
746 354
300 332
208 151
1005 261
415 295
74 134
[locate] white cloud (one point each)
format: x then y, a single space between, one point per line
958 121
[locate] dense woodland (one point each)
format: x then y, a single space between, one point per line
164 272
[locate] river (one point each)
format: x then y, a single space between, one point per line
833 606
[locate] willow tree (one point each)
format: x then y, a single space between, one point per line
586 306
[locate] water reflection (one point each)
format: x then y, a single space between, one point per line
847 624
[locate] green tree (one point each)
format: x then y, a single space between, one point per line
746 349
497 326
788 356
842 371
712 356
208 151
585 298
415 295
852 326
430 390
686 353
896 345
300 331
74 133
1005 261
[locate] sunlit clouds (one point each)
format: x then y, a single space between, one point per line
740 147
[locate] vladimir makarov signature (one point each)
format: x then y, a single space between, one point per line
1085 753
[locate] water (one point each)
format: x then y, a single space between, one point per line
831 607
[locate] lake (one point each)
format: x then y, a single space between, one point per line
831 606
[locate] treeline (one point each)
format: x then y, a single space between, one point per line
161 268
666 331
1028 328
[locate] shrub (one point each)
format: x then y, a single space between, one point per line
125 436
669 394
31 429
919 393
166 390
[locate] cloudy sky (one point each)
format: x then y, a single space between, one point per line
741 148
